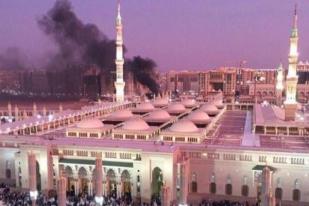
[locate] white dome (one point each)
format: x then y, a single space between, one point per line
146 106
159 115
161 102
176 108
184 126
121 114
210 109
199 117
219 104
189 102
135 124
90 124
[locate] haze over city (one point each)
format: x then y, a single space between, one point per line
176 34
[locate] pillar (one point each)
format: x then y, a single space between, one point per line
98 181
34 112
16 113
267 197
61 190
32 177
50 170
9 109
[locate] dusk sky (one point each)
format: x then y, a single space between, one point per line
177 34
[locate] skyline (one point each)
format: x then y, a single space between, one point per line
233 27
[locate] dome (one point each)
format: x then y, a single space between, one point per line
121 114
184 126
161 102
176 108
90 124
210 109
159 115
189 102
219 104
199 117
135 124
146 106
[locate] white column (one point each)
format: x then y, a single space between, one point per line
32 177
61 190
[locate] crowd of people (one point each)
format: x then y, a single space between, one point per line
225 203
19 198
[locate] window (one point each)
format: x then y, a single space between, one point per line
8 174
110 155
296 195
194 187
141 137
129 136
229 156
245 190
228 189
245 157
179 139
83 134
94 135
278 193
212 188
167 138
118 136
281 160
194 183
68 152
72 134
262 158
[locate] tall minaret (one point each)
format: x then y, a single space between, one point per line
279 85
292 78
119 83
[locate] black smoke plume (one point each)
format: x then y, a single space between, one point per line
83 44
143 71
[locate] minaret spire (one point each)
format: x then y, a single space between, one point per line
119 83
292 78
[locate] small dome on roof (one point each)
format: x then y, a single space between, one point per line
121 114
90 124
161 102
210 109
184 126
176 108
219 104
159 114
145 106
189 102
135 124
199 116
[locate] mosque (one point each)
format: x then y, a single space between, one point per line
181 151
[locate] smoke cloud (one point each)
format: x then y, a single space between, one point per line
84 44
14 59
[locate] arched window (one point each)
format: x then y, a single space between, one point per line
245 190
8 174
193 183
228 189
213 188
296 195
212 185
278 193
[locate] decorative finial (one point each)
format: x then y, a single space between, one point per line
295 16
118 9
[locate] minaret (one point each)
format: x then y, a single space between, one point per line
119 83
279 85
292 78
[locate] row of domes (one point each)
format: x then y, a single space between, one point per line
200 116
